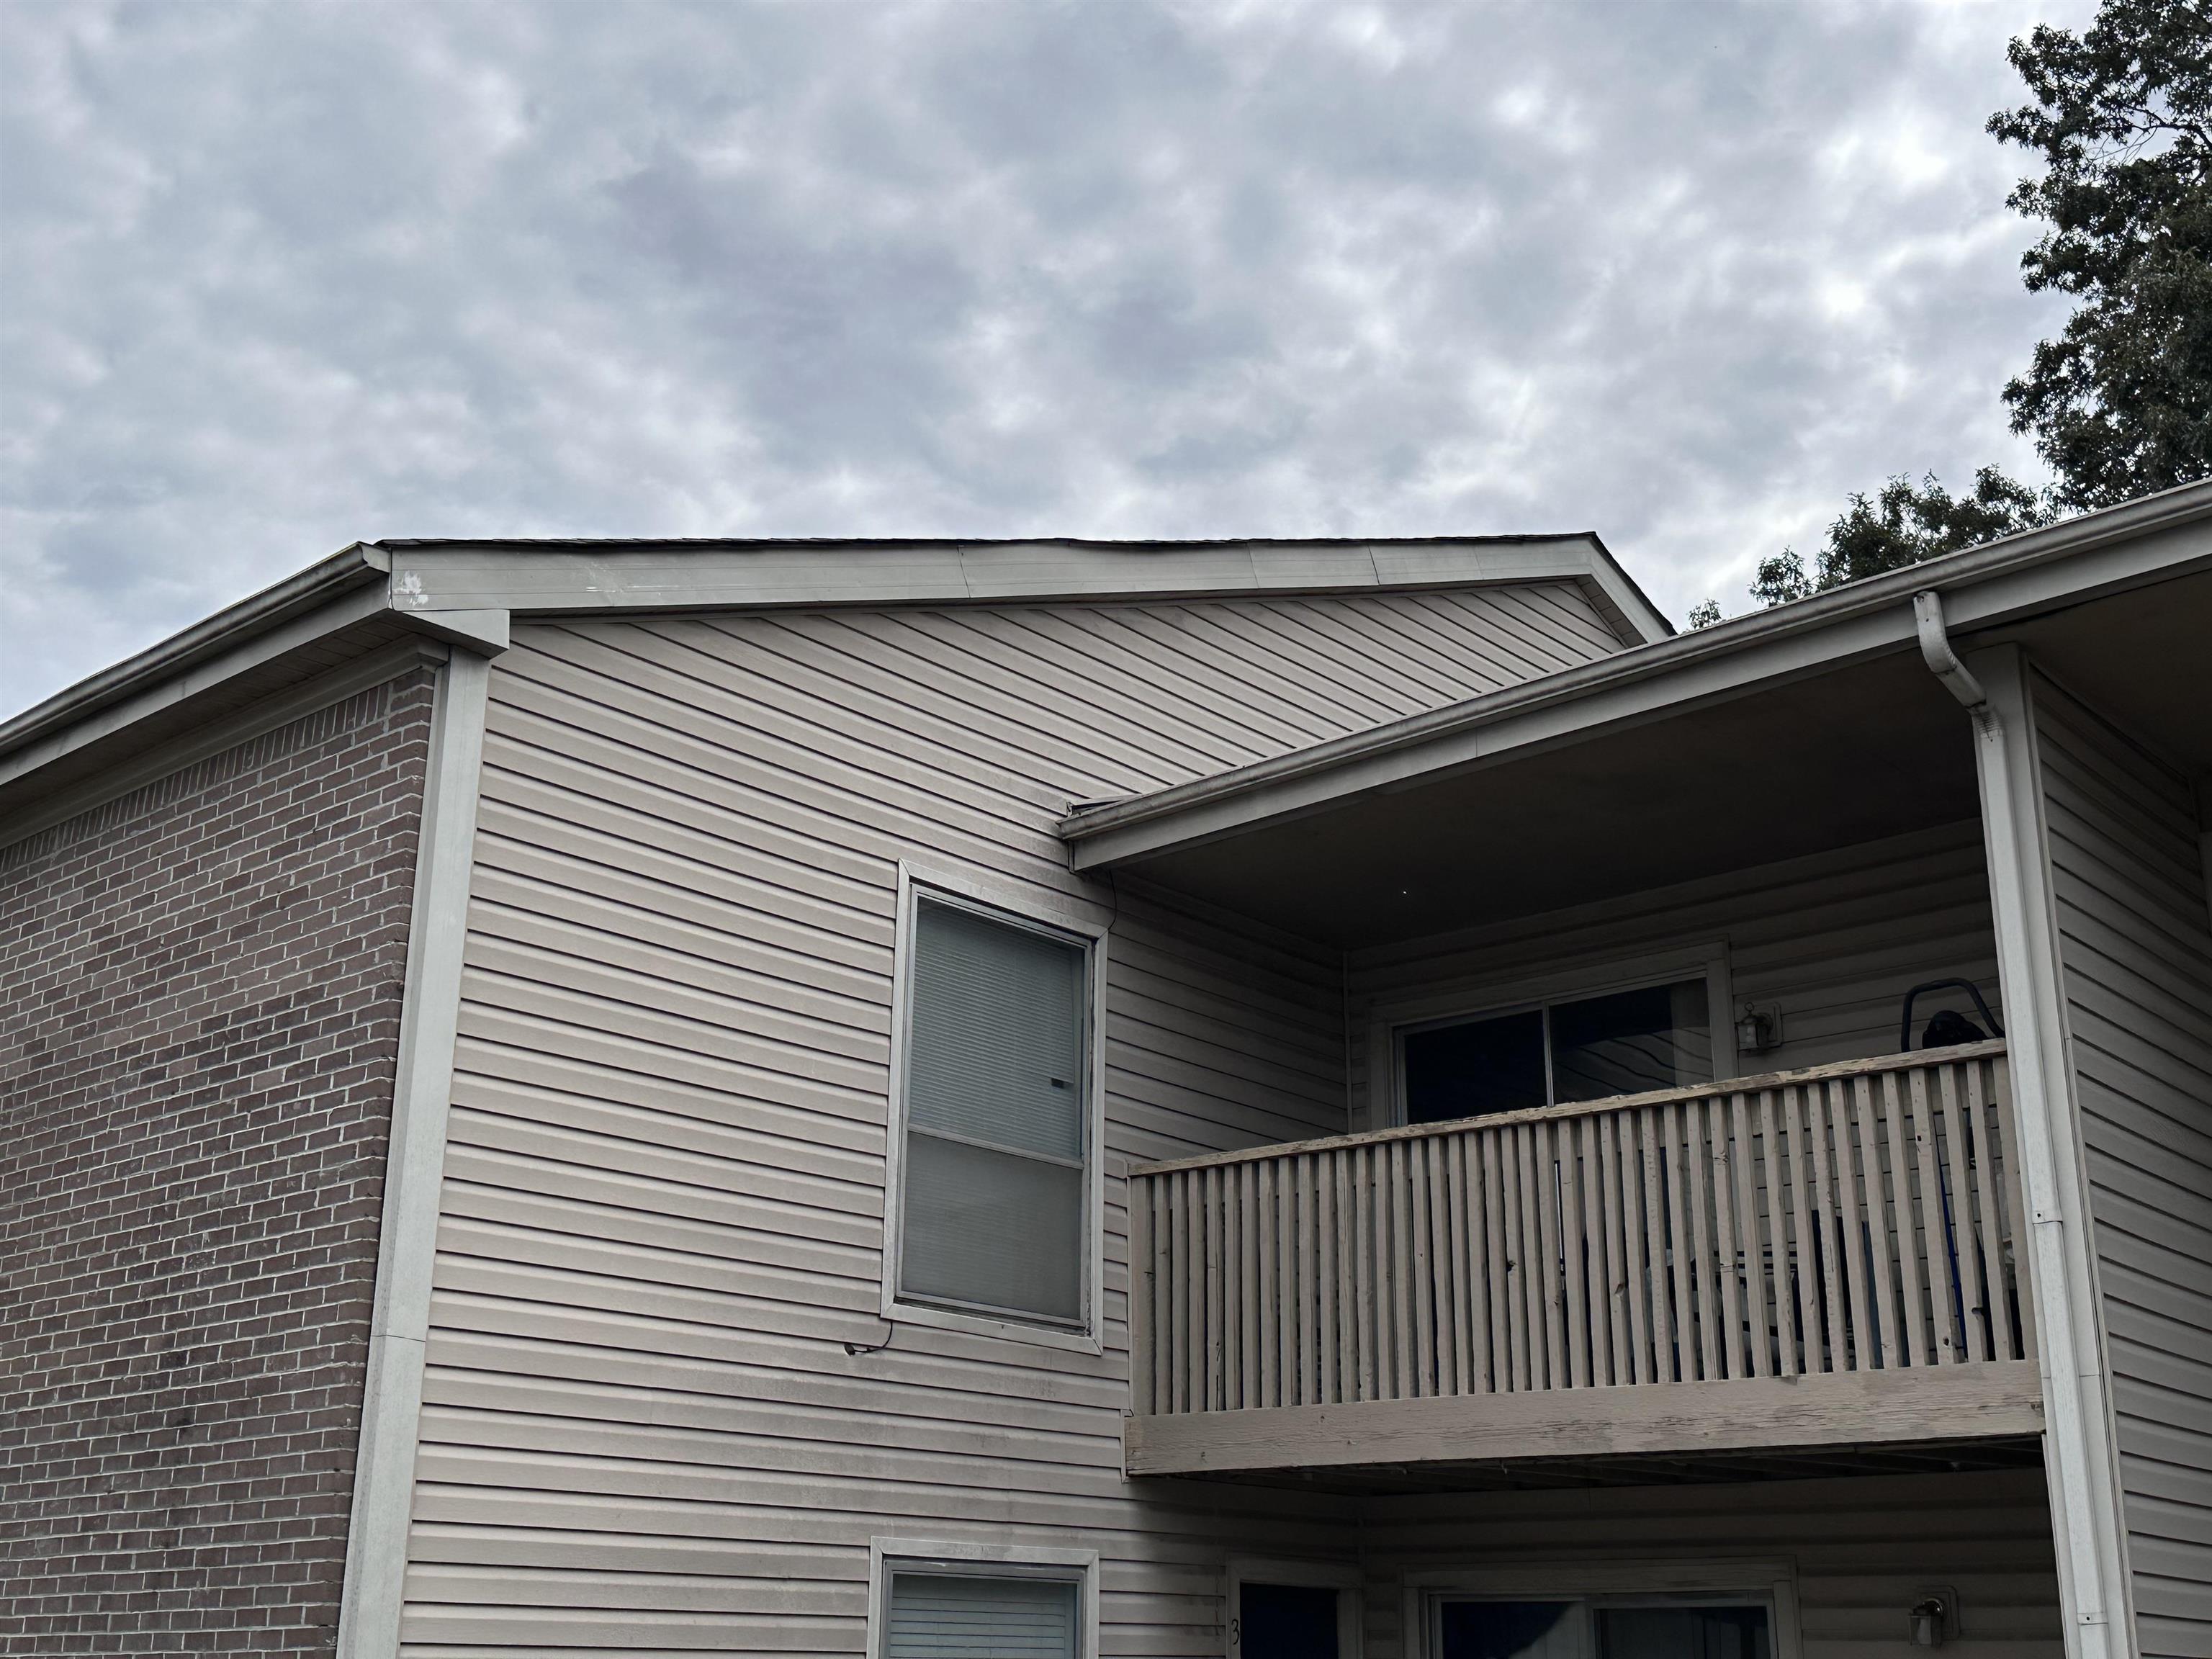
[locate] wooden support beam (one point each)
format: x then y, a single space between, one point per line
1844 1409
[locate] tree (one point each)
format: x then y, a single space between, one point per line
1902 526
2121 402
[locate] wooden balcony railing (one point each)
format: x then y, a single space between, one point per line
1848 1219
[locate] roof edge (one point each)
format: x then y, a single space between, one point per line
344 572
1952 573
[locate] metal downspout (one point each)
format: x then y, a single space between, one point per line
2065 1417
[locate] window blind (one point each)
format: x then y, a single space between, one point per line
948 1616
993 1214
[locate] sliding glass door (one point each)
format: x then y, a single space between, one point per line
1600 1628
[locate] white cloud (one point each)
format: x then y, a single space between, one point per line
281 277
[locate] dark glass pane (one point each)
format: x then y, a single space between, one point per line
1630 1041
1510 1630
1682 1633
1467 1071
1286 1621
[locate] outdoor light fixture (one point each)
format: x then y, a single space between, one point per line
1758 1029
1929 1619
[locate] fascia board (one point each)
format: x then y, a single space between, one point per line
2154 539
428 577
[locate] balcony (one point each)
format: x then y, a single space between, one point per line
1800 1263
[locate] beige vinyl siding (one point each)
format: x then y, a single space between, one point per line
661 1217
1864 1550
1833 940
2136 955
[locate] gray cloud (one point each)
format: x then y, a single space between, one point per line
278 278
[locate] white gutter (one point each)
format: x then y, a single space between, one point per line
2092 1576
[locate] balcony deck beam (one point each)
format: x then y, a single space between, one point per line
1984 1400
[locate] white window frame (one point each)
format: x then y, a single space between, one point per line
1770 1583
950 1558
1056 916
1525 993
1342 1577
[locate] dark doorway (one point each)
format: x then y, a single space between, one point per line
1285 1621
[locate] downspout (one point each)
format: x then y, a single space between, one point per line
2060 1357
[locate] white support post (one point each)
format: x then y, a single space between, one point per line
2080 1454
384 1467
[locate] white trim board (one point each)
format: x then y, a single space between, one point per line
384 1468
548 578
1049 913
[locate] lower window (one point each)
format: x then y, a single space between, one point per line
1602 1629
958 1615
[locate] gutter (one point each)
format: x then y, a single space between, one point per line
1873 599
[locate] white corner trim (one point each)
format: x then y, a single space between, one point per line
889 1554
2078 1442
1058 913
383 1467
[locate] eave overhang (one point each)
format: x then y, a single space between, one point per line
468 591
2004 582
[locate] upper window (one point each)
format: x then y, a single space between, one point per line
995 1175
1655 1036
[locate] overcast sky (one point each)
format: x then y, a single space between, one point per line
278 278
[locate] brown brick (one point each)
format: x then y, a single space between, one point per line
199 1007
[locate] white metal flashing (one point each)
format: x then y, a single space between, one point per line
384 1470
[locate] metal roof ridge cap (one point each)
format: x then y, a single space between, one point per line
1951 571
356 565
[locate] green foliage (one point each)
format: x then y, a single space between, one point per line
1704 613
2121 402
1901 527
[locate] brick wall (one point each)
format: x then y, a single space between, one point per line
199 1012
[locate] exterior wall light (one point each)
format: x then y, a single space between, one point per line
1929 1618
1758 1030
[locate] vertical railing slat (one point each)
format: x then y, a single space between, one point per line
1572 1256
1965 1236
1881 1287
1721 1149
1927 1136
1914 1261
1749 1165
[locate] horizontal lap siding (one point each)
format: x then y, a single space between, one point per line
1833 940
1864 1550
664 1185
2136 946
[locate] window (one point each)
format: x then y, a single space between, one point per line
994 1172
942 1615
941 1600
1620 1042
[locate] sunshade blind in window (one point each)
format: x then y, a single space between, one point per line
995 1116
942 1616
